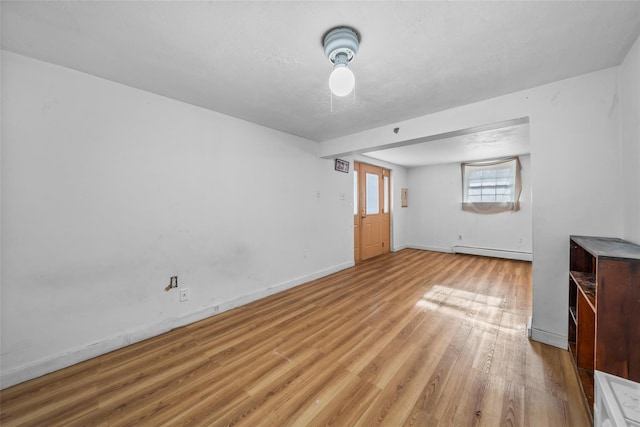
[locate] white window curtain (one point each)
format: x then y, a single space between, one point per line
492 186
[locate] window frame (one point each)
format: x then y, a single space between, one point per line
494 182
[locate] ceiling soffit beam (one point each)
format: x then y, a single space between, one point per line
420 140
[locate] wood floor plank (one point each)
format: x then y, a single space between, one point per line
503 405
451 405
397 399
348 405
543 410
578 415
509 358
412 338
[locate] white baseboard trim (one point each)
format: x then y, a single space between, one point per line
80 354
429 248
472 250
496 253
549 338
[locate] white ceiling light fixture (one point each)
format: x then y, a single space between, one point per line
341 45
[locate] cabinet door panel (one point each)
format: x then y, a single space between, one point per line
618 320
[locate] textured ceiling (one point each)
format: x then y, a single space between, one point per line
264 62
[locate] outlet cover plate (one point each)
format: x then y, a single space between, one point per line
184 295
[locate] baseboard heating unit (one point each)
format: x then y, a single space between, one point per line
492 252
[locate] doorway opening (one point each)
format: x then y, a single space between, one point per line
371 211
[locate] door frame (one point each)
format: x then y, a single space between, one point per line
360 203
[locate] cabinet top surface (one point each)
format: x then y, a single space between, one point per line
608 247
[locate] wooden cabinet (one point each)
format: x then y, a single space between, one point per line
604 309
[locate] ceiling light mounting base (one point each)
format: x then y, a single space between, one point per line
341 45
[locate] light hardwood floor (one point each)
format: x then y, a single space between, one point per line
412 338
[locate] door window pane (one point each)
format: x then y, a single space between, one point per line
355 192
385 209
373 203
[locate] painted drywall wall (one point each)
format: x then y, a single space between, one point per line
107 191
576 174
399 214
437 222
575 171
629 95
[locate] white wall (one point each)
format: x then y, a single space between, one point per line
399 215
436 219
576 175
575 172
629 94
107 191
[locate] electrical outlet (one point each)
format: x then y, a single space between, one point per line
184 295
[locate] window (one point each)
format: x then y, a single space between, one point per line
373 203
355 192
385 181
491 187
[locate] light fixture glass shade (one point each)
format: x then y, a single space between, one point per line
341 81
